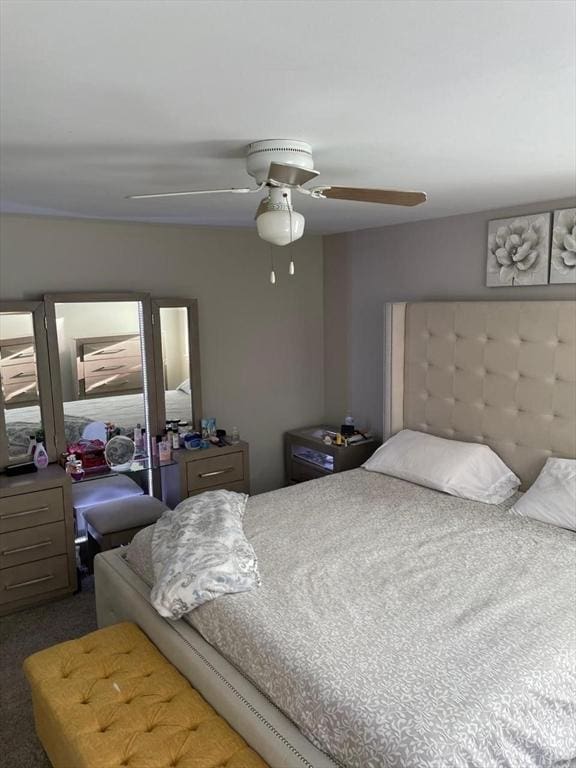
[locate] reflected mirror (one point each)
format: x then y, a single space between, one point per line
101 358
19 378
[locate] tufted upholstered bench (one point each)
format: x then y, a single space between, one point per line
110 699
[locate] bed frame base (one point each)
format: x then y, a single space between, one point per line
122 596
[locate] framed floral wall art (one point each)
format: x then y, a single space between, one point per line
563 257
518 250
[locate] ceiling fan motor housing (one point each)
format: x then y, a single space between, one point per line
259 155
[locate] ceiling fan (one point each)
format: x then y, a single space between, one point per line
281 166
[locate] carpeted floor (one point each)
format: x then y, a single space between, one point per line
20 635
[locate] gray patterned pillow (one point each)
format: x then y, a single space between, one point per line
199 552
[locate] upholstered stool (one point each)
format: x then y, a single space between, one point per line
100 490
116 523
111 699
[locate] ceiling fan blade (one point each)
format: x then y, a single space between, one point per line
290 174
385 196
237 190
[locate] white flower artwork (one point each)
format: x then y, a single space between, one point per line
563 258
518 250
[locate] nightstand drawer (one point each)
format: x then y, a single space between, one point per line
32 544
301 471
24 581
215 471
30 509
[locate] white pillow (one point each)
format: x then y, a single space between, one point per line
184 386
469 470
552 497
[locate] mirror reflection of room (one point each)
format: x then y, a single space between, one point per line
19 377
101 364
176 364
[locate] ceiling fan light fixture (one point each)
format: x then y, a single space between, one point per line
280 227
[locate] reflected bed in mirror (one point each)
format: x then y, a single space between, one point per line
97 344
176 345
20 380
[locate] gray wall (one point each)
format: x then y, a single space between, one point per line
261 345
428 260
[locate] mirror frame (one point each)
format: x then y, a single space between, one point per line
38 311
191 306
150 398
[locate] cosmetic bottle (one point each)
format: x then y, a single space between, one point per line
164 451
32 446
40 456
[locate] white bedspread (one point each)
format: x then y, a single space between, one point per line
401 627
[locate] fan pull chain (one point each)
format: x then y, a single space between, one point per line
272 270
291 268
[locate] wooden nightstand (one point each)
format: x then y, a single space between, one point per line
207 469
308 457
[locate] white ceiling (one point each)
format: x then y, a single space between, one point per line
472 101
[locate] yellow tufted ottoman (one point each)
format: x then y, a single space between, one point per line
111 699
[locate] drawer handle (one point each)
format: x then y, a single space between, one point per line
27 583
28 548
109 351
110 368
25 512
217 472
23 375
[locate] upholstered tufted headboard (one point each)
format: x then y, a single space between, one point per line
497 372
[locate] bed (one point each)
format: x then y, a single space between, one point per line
125 411
396 625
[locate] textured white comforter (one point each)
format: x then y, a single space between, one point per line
398 626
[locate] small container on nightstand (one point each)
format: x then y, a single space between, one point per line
308 457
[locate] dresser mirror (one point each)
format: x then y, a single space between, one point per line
176 348
25 400
101 359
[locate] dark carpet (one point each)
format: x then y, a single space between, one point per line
20 635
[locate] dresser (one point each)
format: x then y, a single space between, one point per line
207 469
18 372
109 365
37 553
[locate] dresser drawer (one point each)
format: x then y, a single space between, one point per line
31 579
215 471
111 349
32 544
102 383
30 509
104 368
22 352
19 383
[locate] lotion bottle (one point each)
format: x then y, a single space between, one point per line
40 456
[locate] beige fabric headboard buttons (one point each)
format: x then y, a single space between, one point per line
500 373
